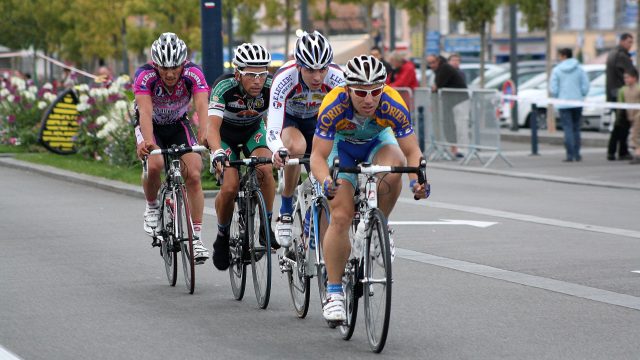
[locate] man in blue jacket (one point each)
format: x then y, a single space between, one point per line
569 82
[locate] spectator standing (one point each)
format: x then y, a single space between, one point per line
569 82
618 62
404 72
377 53
455 60
630 93
448 77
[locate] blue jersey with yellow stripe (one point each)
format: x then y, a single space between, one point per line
337 117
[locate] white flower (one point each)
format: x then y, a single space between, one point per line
114 89
47 86
101 120
94 92
83 107
10 98
18 83
83 98
83 88
4 92
29 95
121 105
50 97
33 89
123 79
42 105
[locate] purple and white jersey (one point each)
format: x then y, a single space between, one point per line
169 107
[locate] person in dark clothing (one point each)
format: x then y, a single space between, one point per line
448 77
377 53
454 60
618 62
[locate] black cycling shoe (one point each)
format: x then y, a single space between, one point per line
221 252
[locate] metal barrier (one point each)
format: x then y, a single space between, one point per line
466 119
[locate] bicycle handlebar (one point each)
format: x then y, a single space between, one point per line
174 150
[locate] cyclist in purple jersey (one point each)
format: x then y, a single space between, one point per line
163 92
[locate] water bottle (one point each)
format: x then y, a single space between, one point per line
358 240
307 220
371 193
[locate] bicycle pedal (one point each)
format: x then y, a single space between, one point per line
336 323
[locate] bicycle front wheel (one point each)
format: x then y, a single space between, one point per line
184 235
299 284
169 255
237 243
260 248
352 291
319 227
377 282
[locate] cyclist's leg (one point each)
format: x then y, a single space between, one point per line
151 184
256 145
191 174
387 152
224 211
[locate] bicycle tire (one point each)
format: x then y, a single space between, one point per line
299 284
184 235
350 282
322 211
260 251
237 243
379 283
167 251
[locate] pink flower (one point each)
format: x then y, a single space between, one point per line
11 119
13 141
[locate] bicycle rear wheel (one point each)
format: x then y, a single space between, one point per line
299 284
184 235
351 285
319 228
260 248
238 267
378 281
169 256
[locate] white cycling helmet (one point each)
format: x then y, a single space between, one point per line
365 70
168 50
249 54
313 51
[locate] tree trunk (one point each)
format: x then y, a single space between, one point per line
327 16
287 30
369 25
551 118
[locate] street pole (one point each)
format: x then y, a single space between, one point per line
513 59
125 53
304 16
211 20
230 31
392 27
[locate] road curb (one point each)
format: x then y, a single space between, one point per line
529 176
101 183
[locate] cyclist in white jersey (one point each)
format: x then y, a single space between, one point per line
296 94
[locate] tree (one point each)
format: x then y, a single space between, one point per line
419 11
475 14
277 13
538 14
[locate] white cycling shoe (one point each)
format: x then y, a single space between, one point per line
334 310
151 219
284 230
200 253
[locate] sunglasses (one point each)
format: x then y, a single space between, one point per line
363 93
256 75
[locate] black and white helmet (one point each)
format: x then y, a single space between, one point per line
249 54
365 70
168 50
313 51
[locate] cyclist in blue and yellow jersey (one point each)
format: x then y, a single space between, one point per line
163 91
239 102
363 121
296 94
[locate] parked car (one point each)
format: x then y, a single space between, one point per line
593 118
592 70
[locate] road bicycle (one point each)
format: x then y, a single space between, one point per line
368 272
250 240
174 233
303 259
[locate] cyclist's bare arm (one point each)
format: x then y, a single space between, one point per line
145 109
214 140
319 154
411 150
201 101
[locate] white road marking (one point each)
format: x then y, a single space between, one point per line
636 271
480 224
524 217
7 355
581 291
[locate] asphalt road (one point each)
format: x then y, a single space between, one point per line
550 276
